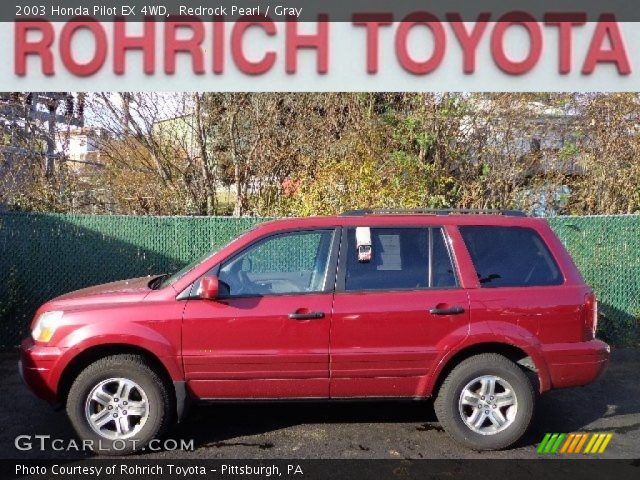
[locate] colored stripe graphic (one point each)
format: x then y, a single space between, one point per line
582 440
573 443
549 445
556 445
593 440
568 442
608 438
543 443
551 442
596 446
600 443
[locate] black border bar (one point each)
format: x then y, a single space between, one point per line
543 468
309 10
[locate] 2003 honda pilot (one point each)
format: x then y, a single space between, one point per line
480 310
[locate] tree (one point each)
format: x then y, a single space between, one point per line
284 153
156 150
34 129
608 154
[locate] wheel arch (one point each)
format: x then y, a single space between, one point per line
512 352
91 354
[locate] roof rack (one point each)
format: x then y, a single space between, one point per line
433 211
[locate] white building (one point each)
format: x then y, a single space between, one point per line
80 146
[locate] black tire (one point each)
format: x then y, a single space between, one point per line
447 401
131 367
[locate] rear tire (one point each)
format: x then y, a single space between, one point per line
119 404
486 402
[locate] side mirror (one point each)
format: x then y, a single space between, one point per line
209 288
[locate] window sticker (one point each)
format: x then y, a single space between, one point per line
363 244
390 258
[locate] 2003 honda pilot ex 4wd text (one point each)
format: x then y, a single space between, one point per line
480 311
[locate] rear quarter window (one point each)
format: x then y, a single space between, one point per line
510 257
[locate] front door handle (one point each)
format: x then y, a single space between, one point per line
306 316
456 310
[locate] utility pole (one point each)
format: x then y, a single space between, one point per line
30 121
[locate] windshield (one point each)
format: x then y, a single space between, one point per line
171 279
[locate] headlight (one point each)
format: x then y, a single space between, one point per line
46 325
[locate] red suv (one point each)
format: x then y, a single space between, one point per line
480 311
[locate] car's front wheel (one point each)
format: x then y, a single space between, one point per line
119 404
486 402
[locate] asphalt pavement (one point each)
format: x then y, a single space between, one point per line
372 430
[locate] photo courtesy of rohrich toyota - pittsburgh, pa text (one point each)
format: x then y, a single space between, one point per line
319 240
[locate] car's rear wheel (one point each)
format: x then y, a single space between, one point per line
486 402
119 404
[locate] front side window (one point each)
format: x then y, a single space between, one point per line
401 259
287 263
510 257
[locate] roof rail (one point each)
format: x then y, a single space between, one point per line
433 211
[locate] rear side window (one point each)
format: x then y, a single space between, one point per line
510 257
401 259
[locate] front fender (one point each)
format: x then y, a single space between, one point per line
164 345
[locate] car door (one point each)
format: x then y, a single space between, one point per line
267 335
393 313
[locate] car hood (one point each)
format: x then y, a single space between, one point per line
123 291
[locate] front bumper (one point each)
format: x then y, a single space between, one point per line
35 366
576 364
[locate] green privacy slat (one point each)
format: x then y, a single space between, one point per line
45 255
607 251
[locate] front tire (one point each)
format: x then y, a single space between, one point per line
119 404
486 402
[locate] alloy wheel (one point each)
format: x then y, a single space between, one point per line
117 408
488 405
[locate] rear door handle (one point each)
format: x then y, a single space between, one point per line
306 316
457 310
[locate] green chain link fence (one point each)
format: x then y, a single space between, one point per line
607 251
45 255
